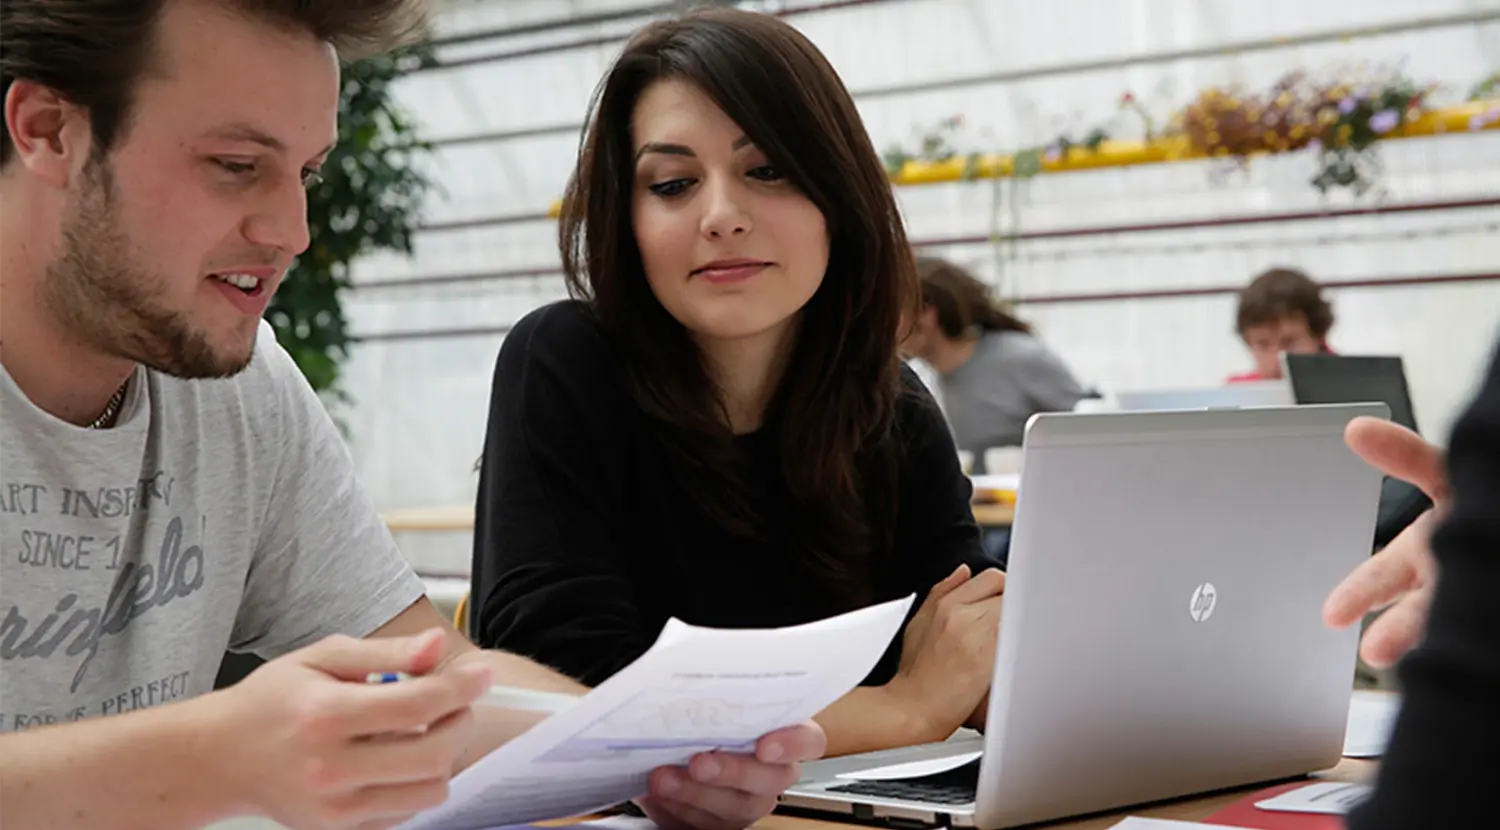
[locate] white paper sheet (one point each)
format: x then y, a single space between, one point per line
695 690
1330 798
1372 715
911 769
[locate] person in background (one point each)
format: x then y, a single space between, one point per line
1439 583
994 372
718 428
173 487
1282 310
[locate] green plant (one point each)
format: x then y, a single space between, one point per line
940 144
1029 162
933 145
367 198
1485 88
1340 120
1350 121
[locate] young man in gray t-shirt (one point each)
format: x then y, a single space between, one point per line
170 486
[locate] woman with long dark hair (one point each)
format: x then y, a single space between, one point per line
718 427
994 373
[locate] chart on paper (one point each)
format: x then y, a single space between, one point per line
692 712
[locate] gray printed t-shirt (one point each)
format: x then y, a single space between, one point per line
216 514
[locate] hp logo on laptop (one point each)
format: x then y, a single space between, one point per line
1205 596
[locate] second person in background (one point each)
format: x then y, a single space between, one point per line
1281 311
718 427
994 372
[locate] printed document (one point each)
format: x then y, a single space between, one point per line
1331 797
695 690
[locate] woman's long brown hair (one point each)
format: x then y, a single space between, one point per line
834 408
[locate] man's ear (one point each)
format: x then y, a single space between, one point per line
50 135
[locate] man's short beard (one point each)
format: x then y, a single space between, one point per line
98 291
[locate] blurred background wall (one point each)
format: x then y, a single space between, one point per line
1126 271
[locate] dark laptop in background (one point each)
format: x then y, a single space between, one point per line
1332 378
1327 378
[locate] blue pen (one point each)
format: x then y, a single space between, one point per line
504 697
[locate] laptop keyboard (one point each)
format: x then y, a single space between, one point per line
955 786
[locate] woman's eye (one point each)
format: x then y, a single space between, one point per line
238 168
765 173
675 187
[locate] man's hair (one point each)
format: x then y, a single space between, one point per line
1281 293
92 52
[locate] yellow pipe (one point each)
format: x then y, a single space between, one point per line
1170 148
1132 153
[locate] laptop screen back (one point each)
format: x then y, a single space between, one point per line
1325 378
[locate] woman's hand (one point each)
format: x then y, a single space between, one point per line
948 650
726 791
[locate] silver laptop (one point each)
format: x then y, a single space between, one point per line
1229 396
1162 633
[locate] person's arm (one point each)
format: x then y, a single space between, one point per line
324 561
944 677
493 726
716 791
872 718
1438 767
552 552
70 775
943 670
553 548
943 530
1047 381
303 740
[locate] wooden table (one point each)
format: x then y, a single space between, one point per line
1188 809
994 514
430 519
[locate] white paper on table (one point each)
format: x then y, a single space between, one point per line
1332 798
1372 716
1138 823
912 769
695 690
